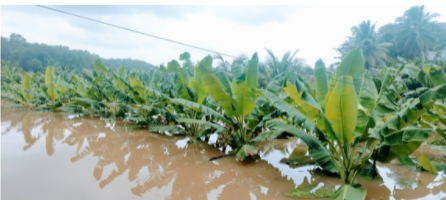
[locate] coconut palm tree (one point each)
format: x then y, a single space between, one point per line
277 66
365 37
440 37
415 31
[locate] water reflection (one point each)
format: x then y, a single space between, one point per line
160 166
170 168
407 183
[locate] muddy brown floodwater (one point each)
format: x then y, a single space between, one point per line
47 155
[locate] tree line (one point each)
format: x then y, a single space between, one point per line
36 57
413 34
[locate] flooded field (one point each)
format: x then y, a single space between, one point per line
61 156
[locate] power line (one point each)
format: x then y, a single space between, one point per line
127 29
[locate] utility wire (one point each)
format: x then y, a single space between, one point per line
120 27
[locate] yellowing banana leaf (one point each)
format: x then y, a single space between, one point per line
49 82
297 116
140 89
426 164
26 80
134 81
342 109
198 88
311 110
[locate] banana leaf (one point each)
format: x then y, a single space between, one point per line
213 85
317 151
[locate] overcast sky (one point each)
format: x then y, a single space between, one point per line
234 30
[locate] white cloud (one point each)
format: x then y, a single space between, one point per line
315 30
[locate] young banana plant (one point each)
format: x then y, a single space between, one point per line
237 101
189 102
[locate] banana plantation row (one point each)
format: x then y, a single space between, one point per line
349 119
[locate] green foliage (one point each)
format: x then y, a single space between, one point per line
405 161
355 114
412 34
415 31
246 150
348 192
366 38
237 101
312 191
426 164
346 117
35 57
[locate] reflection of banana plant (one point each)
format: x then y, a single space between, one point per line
352 121
130 152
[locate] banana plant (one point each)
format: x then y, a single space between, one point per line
426 75
51 94
11 74
189 101
237 101
15 88
349 122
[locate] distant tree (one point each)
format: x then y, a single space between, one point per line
34 64
17 38
276 66
365 37
36 57
415 31
440 37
